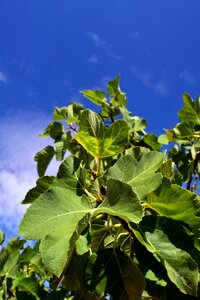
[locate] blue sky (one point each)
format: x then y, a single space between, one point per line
50 50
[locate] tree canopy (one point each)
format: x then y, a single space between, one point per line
121 219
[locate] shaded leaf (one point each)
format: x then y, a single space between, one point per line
26 284
43 159
181 268
42 185
71 174
124 280
177 203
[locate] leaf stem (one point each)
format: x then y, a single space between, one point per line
98 167
93 198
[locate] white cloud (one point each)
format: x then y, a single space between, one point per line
97 40
3 77
101 43
161 88
147 78
187 77
93 59
19 143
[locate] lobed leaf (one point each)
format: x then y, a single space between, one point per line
191 110
98 140
139 174
53 219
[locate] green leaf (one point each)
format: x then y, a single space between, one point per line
113 86
2 237
177 203
140 175
182 132
60 113
191 110
122 202
162 139
71 174
119 98
98 140
42 185
181 268
135 122
53 218
43 159
152 141
99 233
26 284
98 97
124 279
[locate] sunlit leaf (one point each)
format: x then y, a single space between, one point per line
98 97
98 140
191 110
121 201
53 218
140 175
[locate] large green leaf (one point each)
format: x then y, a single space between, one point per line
177 203
140 175
98 140
58 216
191 110
181 268
121 201
53 218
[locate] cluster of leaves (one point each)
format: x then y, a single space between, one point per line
120 220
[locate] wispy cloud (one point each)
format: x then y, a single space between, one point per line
19 143
93 59
187 77
149 80
101 43
3 77
97 40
